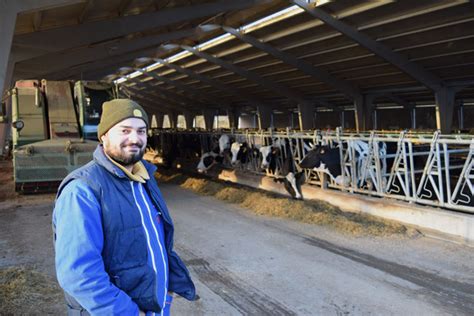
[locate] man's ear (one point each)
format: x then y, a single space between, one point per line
102 138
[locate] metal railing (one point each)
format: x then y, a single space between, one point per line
429 169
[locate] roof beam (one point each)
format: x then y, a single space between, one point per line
345 87
37 19
170 97
164 102
124 4
215 83
400 101
185 88
8 13
149 104
269 84
100 54
157 5
100 31
412 69
104 66
26 6
87 8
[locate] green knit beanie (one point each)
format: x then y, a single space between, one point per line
117 110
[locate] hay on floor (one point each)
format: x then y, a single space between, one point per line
24 291
268 204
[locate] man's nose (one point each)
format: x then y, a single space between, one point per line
133 137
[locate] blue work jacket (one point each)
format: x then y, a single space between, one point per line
100 244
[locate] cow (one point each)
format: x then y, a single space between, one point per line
216 155
224 143
325 159
284 173
242 153
328 160
208 160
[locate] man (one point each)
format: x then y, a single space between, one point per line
113 234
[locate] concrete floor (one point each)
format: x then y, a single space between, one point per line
251 265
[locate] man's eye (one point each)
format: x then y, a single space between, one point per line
141 132
125 131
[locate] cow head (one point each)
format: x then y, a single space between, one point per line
292 183
239 153
207 161
313 158
269 154
224 143
323 158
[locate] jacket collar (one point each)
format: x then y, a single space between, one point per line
101 159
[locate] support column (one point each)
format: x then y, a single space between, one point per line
157 120
444 109
369 110
342 118
8 13
209 118
305 116
233 115
461 115
264 117
189 118
359 114
173 117
412 111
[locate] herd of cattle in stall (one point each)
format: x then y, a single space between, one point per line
430 169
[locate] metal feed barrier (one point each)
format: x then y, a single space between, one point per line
430 169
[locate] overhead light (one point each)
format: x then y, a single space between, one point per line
253 26
272 18
215 41
178 56
134 74
208 27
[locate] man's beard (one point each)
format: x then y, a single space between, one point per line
126 158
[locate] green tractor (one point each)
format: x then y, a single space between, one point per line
54 129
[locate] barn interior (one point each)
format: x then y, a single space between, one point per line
305 64
309 72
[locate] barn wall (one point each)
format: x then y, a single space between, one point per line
393 119
247 121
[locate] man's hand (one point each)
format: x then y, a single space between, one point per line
141 313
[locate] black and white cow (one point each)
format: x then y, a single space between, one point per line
328 160
243 153
216 155
208 160
224 143
285 172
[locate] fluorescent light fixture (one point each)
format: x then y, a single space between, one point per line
272 18
253 26
178 56
152 67
215 41
134 74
